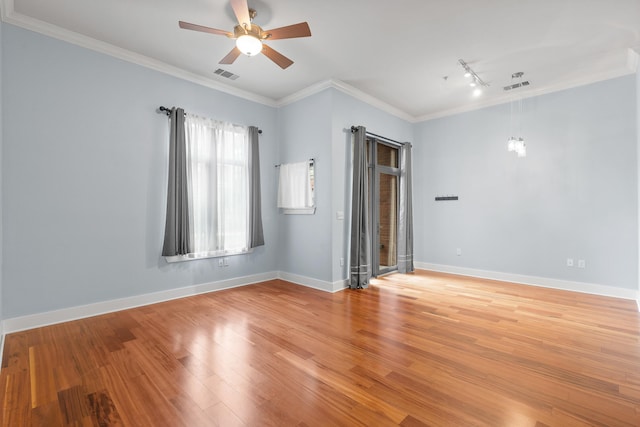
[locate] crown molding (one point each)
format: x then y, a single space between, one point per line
373 101
11 17
304 93
349 90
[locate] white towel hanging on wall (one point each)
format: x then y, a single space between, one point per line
295 193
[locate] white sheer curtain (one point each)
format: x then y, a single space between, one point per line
218 175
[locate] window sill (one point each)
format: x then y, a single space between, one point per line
205 255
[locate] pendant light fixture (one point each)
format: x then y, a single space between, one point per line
516 144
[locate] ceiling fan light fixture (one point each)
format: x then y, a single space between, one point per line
249 45
249 36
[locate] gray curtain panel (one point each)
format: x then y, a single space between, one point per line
360 261
177 239
405 218
256 234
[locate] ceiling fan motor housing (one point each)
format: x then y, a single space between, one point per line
255 31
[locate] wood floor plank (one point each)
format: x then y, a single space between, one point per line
422 349
15 393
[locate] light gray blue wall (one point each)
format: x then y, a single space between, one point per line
305 132
84 172
1 173
638 155
574 195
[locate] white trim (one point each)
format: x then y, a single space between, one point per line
79 312
544 282
349 90
340 285
304 93
313 283
373 101
204 255
38 320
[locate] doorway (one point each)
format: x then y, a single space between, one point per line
384 184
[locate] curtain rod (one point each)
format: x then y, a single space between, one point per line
310 161
167 111
355 128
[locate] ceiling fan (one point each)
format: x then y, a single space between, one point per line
250 37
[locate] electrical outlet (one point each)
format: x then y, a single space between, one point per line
569 262
220 262
458 252
226 262
581 263
341 262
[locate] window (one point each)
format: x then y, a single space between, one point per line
218 176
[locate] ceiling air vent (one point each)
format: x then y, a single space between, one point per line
516 85
226 74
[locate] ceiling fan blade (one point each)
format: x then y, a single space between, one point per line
241 9
231 56
282 61
195 27
289 32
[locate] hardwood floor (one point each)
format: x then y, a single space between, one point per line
412 350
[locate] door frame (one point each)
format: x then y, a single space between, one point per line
374 203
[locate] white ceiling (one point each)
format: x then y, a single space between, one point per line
396 52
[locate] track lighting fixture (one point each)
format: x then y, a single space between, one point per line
476 82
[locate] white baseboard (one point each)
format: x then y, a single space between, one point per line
309 282
79 312
37 320
545 282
